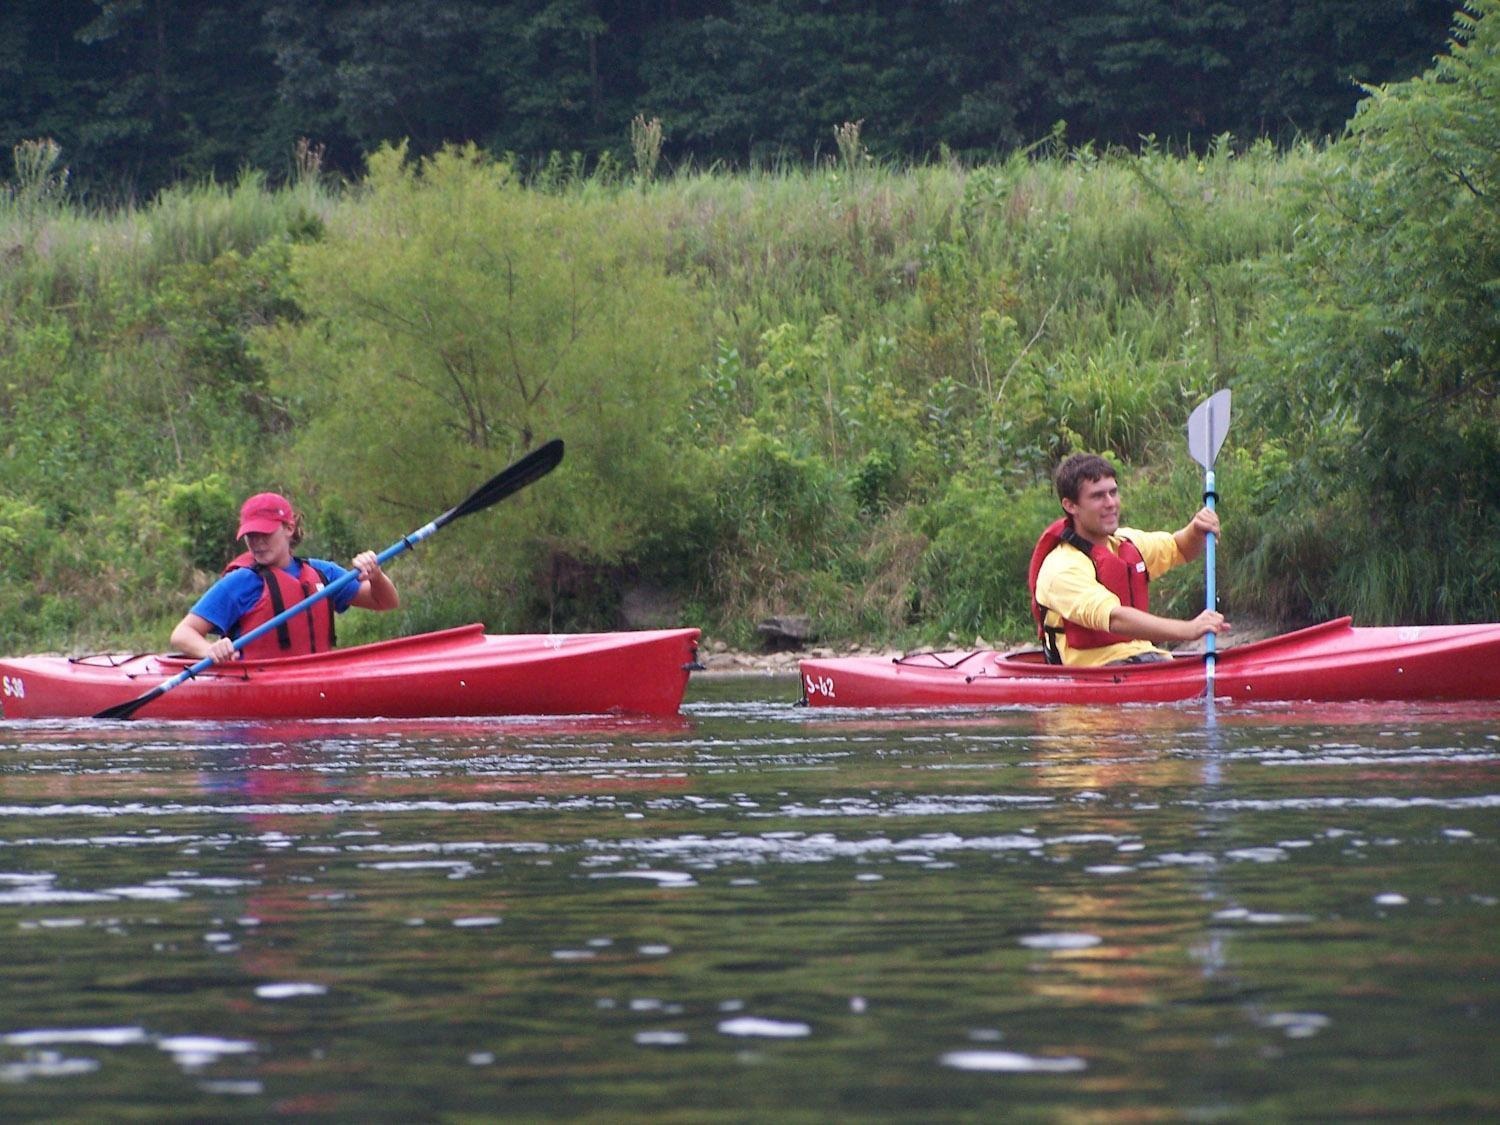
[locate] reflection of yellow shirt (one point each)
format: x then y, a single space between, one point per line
1067 586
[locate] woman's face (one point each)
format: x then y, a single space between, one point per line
272 548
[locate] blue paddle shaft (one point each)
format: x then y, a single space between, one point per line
1207 426
1212 597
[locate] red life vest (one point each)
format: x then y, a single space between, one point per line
1123 574
309 631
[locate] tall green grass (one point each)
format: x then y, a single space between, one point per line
892 359
64 255
950 323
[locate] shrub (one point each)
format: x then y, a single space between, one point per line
973 576
460 319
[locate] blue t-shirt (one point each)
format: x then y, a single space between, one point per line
234 595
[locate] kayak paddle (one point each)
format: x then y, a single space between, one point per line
535 465
1207 426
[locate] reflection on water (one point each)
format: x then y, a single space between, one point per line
758 910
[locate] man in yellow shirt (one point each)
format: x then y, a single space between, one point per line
1089 575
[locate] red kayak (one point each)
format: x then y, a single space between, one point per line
462 671
1332 661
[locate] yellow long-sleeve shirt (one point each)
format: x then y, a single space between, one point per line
1067 586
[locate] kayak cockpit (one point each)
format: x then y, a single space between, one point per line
1029 662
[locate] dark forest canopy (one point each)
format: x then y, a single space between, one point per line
140 93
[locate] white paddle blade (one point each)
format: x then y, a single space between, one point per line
1207 426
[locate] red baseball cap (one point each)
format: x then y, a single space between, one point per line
264 513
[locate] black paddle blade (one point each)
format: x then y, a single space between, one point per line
131 706
535 465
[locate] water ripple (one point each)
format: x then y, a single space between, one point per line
1485 801
1011 1062
817 848
756 1028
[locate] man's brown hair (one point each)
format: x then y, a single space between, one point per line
1078 470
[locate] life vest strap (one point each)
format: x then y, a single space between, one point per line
1049 643
278 605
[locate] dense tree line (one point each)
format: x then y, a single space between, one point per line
140 93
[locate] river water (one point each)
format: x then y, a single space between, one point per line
761 912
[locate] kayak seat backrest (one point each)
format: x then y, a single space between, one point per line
1027 656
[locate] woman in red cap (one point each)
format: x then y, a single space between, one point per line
266 579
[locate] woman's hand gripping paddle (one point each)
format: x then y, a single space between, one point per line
535 465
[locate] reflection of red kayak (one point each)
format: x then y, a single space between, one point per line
1332 661
462 671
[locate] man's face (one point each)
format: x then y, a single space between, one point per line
1096 512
